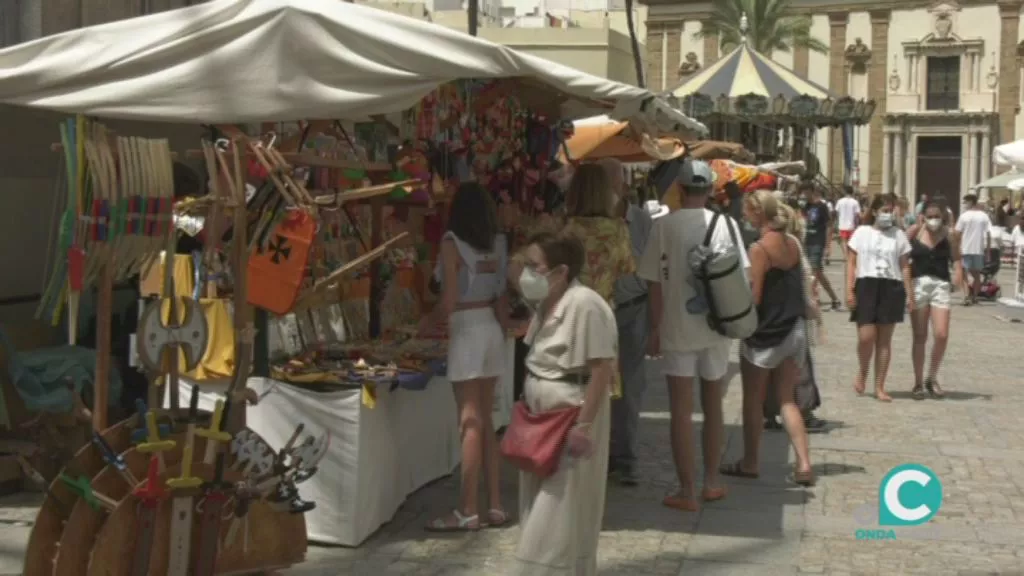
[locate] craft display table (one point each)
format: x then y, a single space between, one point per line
377 457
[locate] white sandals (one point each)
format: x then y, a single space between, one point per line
462 523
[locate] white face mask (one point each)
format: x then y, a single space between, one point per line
934 223
884 220
533 285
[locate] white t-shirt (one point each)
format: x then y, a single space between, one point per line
974 227
879 251
848 208
665 260
1017 237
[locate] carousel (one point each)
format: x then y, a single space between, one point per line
772 111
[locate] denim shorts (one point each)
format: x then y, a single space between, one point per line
974 262
815 254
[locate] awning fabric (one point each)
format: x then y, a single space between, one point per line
745 71
241 61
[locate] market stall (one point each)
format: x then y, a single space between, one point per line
432 109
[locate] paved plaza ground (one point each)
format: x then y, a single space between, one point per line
974 441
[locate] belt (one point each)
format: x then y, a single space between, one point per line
631 302
578 378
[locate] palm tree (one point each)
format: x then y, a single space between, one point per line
638 60
769 28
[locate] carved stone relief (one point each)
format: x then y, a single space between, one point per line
689 66
858 55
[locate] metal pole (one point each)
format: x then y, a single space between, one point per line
474 9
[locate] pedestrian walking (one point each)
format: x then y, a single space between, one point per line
631 317
572 363
692 350
934 248
777 350
819 231
974 228
847 214
878 289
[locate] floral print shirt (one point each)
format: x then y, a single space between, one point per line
609 253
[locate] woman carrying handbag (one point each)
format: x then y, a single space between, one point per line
559 433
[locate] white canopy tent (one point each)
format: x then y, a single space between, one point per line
241 61
1011 154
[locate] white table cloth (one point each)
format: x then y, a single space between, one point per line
377 456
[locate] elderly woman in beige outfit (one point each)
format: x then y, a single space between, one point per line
572 362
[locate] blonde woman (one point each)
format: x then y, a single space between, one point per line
777 349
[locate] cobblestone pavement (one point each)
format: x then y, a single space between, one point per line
974 440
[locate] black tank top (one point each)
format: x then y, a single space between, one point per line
782 304
930 261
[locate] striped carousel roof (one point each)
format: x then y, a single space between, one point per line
744 71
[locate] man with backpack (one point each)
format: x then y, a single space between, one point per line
680 331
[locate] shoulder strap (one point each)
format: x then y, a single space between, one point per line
711 229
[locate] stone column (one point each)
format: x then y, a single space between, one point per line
877 90
655 55
674 32
802 61
972 159
986 154
911 178
1009 72
837 84
898 163
711 48
884 160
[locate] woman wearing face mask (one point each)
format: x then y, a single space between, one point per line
572 362
474 305
878 289
933 248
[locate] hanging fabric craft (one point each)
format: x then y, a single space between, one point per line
277 268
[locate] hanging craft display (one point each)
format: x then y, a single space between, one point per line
277 268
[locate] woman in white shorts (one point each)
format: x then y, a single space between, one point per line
778 347
934 248
472 271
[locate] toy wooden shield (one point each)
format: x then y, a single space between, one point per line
278 266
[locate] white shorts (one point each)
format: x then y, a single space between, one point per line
476 345
794 346
709 363
931 291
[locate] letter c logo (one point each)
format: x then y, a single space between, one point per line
909 495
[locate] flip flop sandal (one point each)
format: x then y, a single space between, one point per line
918 393
805 479
713 494
680 503
462 524
736 471
500 515
886 398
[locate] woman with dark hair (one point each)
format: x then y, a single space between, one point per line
471 270
879 288
934 249
572 363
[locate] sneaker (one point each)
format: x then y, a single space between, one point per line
837 306
772 424
814 424
623 476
